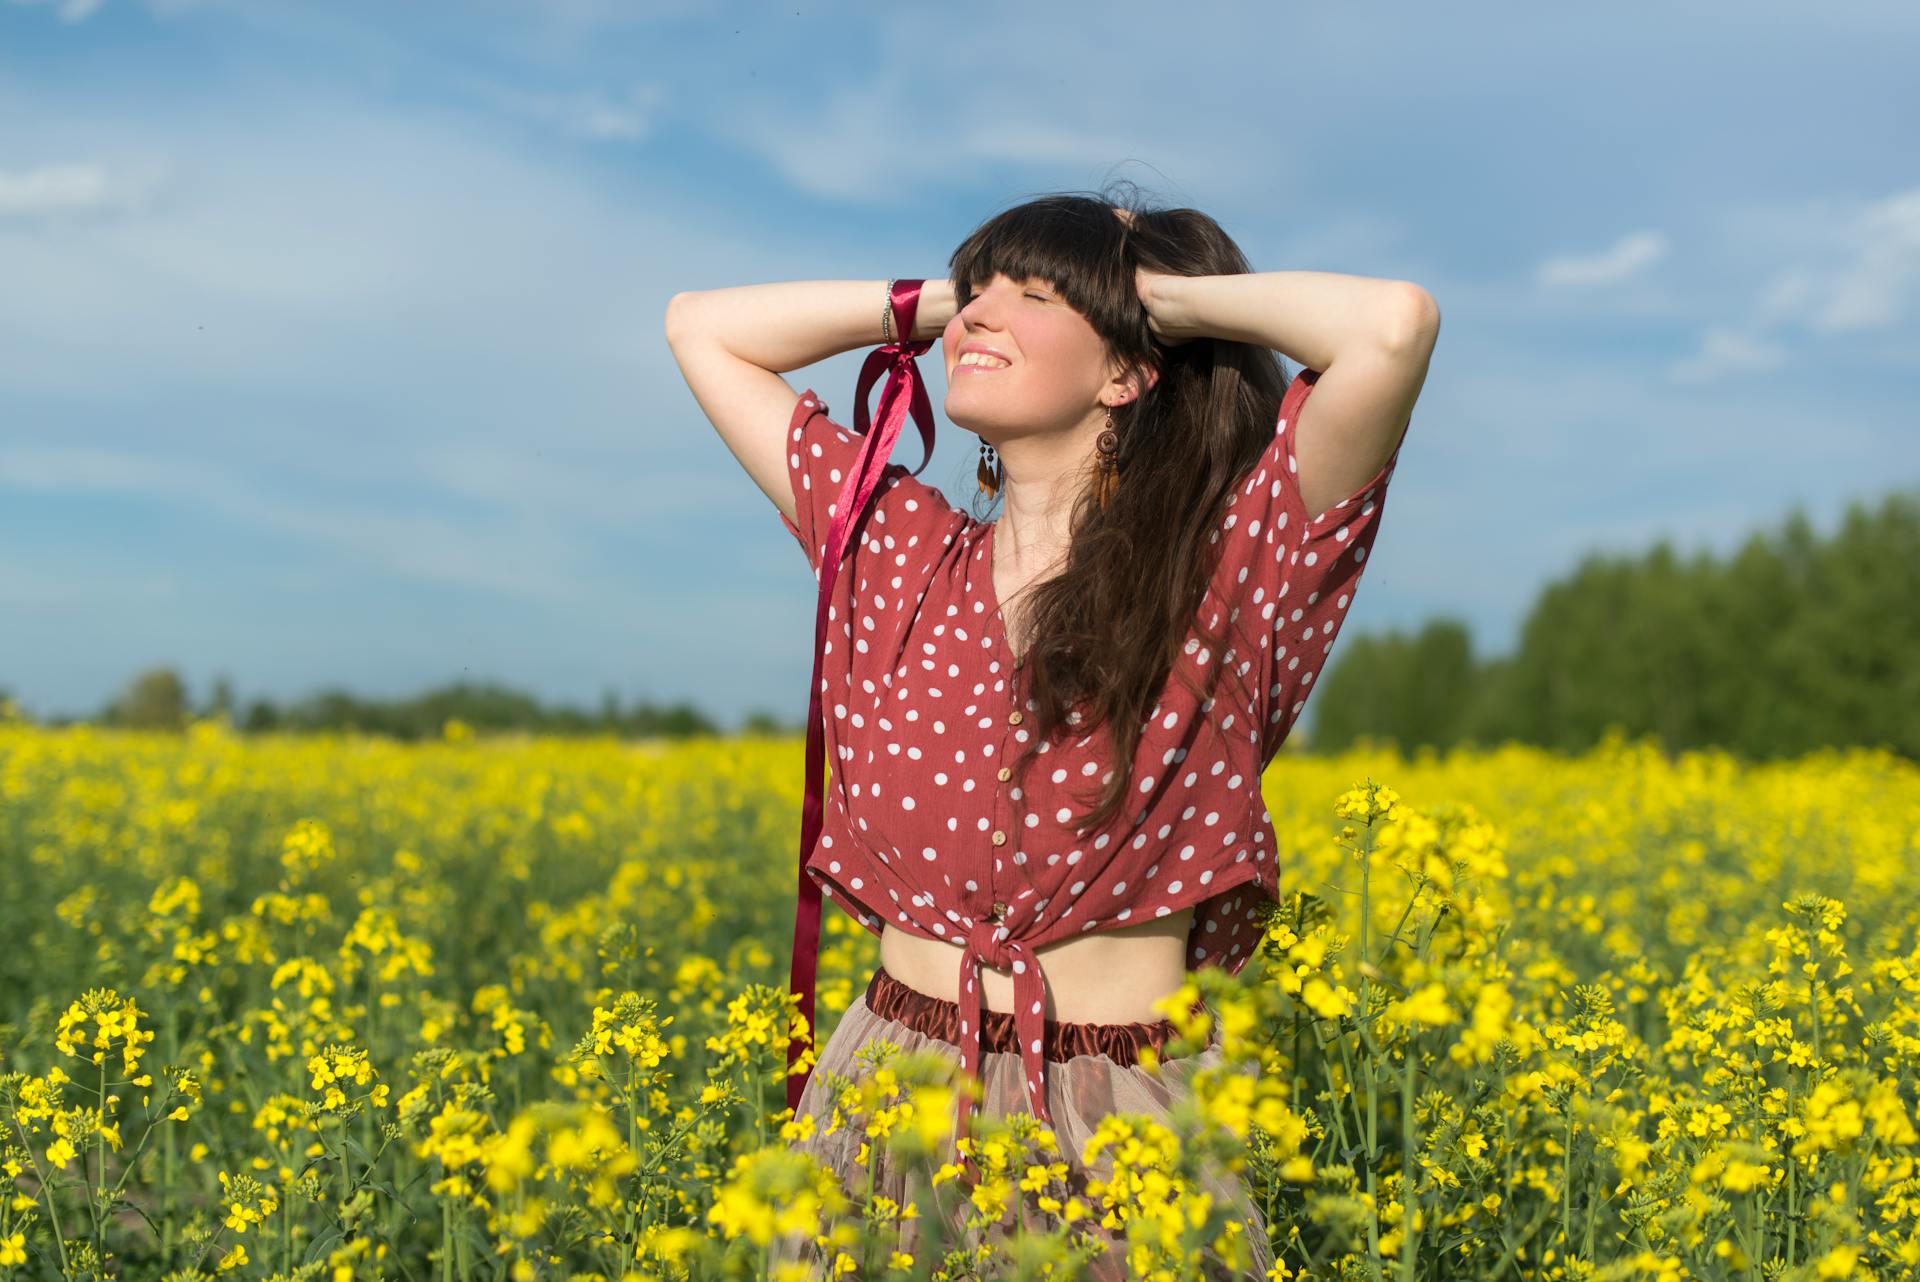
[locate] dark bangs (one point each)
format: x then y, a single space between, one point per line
1076 246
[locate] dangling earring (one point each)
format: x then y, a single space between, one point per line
989 471
1106 477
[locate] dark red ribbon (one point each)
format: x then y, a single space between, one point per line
903 393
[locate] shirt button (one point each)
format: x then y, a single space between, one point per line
1006 773
999 911
999 838
1013 718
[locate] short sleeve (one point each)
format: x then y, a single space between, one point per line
1288 576
821 454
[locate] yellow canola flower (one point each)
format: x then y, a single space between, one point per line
1646 874
1837 1263
456 1137
248 1201
630 1028
776 1191
337 1066
13 1250
1428 1005
116 1026
307 847
510 1161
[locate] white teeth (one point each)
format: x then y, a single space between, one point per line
977 358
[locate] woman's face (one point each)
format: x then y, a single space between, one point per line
1057 363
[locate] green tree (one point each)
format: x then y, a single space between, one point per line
154 700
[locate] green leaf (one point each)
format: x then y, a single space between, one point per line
322 1244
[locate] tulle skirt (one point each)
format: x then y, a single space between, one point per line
1093 1071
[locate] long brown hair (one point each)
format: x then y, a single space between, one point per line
1105 632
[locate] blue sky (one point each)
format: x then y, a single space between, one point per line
330 333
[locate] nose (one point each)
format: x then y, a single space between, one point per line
981 301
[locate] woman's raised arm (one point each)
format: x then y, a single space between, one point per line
733 344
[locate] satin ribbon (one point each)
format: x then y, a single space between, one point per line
902 393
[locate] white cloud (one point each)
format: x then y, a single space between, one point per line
81 10
1875 287
411 269
1725 353
1626 258
626 117
69 10
77 188
1828 271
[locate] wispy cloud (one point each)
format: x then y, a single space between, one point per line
68 10
1872 278
77 188
338 254
630 115
1628 257
1827 272
1727 353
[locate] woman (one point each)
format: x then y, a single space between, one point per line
1182 532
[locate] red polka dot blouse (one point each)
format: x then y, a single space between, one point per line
923 829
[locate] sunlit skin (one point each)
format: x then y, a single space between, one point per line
1107 977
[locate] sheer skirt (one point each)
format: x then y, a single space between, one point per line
1093 1072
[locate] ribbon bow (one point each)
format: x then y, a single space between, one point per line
990 942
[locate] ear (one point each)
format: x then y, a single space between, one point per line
1132 382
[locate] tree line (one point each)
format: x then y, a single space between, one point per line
1794 643
158 699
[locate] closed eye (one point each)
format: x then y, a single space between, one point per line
966 296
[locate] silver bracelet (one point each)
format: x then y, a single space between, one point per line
886 313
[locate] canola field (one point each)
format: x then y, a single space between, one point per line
337 1008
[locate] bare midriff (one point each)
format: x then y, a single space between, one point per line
1107 977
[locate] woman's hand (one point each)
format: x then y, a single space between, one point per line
1146 283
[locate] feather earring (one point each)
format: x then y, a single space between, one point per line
989 471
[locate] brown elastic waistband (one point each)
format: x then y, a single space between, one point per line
890 998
